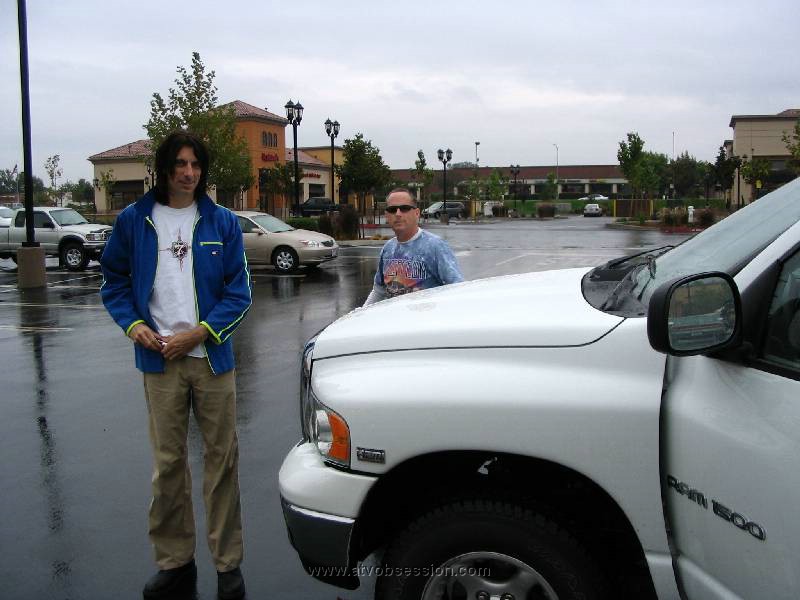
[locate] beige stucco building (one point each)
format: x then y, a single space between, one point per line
761 136
263 131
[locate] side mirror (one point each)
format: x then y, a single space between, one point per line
260 231
698 314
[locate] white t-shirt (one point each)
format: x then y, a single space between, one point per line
172 303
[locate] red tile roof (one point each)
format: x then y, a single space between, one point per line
304 159
137 149
244 110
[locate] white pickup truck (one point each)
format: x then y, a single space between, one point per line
625 431
62 232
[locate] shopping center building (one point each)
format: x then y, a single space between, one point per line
761 136
128 175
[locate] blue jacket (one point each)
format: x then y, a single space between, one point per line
221 277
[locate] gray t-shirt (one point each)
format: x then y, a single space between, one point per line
423 262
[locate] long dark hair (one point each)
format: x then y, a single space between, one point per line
166 157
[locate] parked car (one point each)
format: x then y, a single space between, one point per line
623 431
592 210
62 232
267 239
316 206
454 209
6 214
593 198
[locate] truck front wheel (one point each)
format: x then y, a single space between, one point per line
484 548
74 256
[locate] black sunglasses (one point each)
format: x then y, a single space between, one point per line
404 208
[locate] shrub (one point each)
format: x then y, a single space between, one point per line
680 215
705 217
545 209
641 218
667 218
346 226
309 223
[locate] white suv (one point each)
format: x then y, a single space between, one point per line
630 430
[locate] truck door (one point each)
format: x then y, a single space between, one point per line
45 230
731 460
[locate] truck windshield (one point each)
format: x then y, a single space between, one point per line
727 246
67 217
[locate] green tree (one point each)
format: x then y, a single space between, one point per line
629 156
653 173
465 164
422 174
792 142
725 170
106 183
496 185
278 181
687 174
192 105
755 170
51 165
547 191
362 171
9 179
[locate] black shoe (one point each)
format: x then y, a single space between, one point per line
230 585
167 582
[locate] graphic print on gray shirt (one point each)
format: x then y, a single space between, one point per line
423 262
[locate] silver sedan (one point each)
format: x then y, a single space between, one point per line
267 239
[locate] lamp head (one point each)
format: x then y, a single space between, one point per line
449 155
440 154
328 126
298 112
335 128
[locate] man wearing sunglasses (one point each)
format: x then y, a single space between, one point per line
414 259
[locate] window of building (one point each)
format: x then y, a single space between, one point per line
265 139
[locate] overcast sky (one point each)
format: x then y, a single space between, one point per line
516 76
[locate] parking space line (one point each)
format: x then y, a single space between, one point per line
48 305
34 329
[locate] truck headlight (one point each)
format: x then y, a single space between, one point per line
95 237
321 425
311 243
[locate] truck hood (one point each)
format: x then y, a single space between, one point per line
86 228
534 309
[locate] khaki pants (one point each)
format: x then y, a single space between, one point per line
189 381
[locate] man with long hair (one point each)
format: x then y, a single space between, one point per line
176 282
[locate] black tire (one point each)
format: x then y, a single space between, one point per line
74 256
528 553
285 259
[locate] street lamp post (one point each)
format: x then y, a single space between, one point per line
332 129
294 114
445 156
514 172
557 191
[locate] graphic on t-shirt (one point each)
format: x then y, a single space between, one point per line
401 276
179 249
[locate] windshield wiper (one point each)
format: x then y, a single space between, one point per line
653 252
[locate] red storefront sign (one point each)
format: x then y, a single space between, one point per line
269 157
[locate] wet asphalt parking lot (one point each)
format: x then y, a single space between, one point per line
73 434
